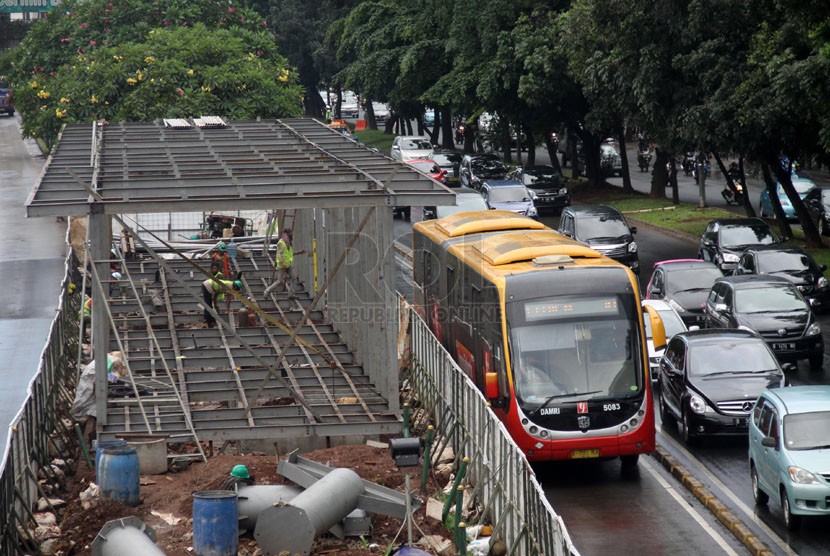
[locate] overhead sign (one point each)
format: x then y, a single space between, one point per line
18 6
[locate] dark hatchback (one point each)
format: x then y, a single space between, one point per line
548 185
794 264
477 168
774 308
709 381
603 229
723 241
684 285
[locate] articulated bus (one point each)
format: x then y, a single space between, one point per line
550 330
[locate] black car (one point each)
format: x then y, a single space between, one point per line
794 264
774 308
817 202
723 241
476 168
547 183
709 381
684 284
604 229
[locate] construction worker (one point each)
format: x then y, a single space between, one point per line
220 256
213 290
284 261
239 477
86 317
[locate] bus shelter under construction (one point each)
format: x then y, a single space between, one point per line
320 363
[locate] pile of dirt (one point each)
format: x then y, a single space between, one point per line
167 502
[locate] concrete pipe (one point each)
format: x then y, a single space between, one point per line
128 536
293 526
254 499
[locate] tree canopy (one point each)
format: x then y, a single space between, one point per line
139 61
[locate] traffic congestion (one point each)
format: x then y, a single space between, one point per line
746 311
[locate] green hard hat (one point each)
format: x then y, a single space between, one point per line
221 246
238 284
240 472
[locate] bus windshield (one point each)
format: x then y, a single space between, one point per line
575 349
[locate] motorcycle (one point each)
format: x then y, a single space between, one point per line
733 197
688 163
697 167
459 134
644 160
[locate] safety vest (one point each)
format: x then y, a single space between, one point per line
285 254
216 287
86 310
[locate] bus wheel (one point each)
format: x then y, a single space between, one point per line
629 462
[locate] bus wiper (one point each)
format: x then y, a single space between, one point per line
559 396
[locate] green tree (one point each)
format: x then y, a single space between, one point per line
73 67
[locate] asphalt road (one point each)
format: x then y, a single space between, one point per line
31 269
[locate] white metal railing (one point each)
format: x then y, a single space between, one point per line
504 483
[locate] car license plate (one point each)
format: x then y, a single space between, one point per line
783 346
584 454
740 423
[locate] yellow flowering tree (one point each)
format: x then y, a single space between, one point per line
226 65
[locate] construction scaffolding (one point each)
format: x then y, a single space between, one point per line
319 363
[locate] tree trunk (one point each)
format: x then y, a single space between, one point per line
369 113
783 225
447 132
469 139
419 125
811 235
675 191
659 176
504 139
748 208
593 168
391 123
315 105
530 141
338 106
436 127
626 174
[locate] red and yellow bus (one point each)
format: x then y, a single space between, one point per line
550 330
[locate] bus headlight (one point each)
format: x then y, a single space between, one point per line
697 405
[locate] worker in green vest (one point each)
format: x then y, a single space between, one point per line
213 290
284 261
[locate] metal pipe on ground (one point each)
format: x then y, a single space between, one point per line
292 527
255 499
128 536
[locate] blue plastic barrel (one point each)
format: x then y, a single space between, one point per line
215 523
118 474
103 444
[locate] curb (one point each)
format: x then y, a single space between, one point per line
737 527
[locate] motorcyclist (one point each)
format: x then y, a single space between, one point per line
643 153
733 191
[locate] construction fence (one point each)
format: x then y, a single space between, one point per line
504 483
41 431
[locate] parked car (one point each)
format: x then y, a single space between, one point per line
466 200
684 284
475 168
349 105
610 160
724 240
789 443
604 229
672 323
548 184
508 195
773 307
817 202
450 162
411 147
429 167
794 264
802 186
709 381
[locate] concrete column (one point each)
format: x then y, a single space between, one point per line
100 239
388 355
